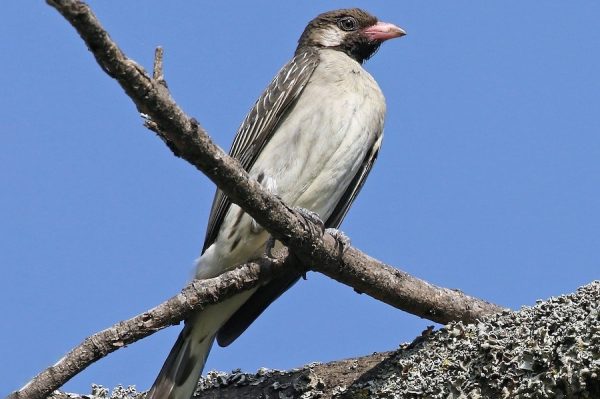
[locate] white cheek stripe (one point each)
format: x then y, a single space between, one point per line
331 37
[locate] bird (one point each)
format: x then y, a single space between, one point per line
311 138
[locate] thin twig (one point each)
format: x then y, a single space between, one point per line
157 72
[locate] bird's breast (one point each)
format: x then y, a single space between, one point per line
319 146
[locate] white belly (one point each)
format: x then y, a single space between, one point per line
312 157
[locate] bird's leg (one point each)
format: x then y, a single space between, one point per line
341 239
269 247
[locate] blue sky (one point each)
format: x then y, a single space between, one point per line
488 180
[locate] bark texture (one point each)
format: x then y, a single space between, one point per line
550 350
318 251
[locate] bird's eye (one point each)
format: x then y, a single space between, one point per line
348 24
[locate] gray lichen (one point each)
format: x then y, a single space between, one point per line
551 350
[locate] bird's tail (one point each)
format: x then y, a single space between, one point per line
180 373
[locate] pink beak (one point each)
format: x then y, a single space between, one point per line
382 31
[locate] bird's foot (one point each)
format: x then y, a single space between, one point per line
342 240
312 221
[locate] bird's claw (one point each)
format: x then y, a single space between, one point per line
342 240
269 247
312 220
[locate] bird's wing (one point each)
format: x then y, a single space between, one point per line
260 124
265 295
254 306
342 207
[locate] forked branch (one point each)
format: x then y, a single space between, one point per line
188 140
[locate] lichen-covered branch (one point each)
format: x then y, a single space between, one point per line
550 350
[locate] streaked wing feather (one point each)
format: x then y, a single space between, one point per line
260 124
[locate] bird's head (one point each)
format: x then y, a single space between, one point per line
353 31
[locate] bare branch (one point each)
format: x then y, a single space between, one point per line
188 140
195 296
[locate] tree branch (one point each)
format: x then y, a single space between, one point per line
188 140
546 351
195 296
